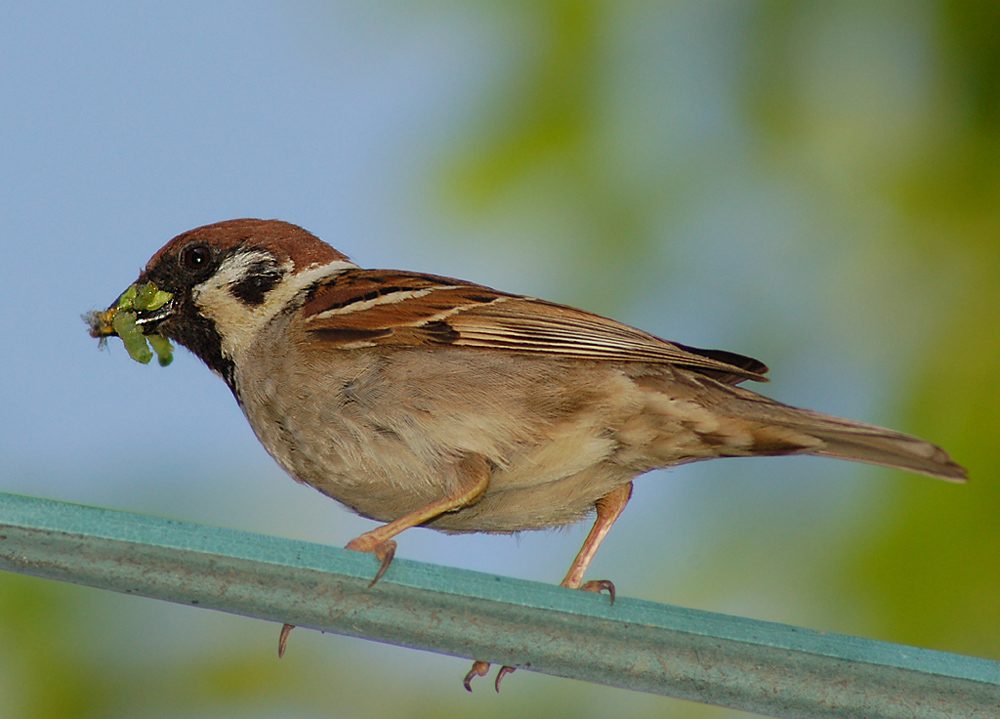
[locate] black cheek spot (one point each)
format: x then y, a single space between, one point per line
259 280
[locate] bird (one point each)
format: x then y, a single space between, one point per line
420 400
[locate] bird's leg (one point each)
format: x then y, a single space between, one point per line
474 477
609 509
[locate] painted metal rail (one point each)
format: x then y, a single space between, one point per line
761 667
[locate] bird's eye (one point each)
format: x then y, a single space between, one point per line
195 257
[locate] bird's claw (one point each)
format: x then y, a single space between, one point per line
286 629
481 669
600 585
504 671
384 551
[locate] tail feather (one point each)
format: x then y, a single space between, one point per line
859 442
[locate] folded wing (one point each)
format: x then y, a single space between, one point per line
363 308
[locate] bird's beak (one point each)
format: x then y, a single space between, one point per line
149 305
149 320
135 317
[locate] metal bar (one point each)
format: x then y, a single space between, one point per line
755 666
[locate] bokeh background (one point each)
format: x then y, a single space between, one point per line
814 184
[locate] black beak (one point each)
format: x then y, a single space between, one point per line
149 320
148 316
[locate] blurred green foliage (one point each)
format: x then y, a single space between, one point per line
812 98
929 565
549 138
548 115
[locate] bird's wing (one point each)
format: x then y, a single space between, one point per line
366 308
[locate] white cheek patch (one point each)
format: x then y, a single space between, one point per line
237 322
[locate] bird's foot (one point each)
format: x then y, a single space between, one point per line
481 669
600 585
384 550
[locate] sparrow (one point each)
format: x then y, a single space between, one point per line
419 400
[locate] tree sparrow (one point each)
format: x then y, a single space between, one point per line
422 400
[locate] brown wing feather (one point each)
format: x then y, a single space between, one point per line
363 308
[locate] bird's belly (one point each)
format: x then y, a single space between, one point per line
383 479
386 441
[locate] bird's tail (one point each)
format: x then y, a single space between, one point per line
828 436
